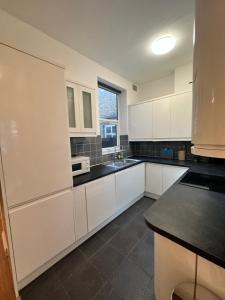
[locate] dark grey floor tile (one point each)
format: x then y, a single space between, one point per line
127 216
42 287
138 227
59 294
144 203
131 282
107 293
92 245
124 241
69 264
85 283
107 261
143 255
109 231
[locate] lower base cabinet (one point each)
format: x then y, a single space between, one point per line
41 230
130 184
211 276
101 200
80 212
159 178
181 272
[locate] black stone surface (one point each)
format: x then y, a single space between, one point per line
102 170
193 218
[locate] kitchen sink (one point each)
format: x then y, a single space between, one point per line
121 163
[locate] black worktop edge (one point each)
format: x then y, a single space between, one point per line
192 248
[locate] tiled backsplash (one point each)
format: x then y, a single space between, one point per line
153 148
92 147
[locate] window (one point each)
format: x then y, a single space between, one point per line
108 117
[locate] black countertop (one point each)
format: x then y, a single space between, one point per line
193 218
102 170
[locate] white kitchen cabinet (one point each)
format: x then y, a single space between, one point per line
33 133
41 230
173 265
73 107
154 179
81 109
161 119
159 178
140 121
171 174
101 201
211 276
166 118
181 115
80 211
130 184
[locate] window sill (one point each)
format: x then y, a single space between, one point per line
110 150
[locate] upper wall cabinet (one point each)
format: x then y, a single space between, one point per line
81 109
140 121
166 118
161 119
181 115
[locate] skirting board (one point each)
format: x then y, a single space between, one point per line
151 195
57 258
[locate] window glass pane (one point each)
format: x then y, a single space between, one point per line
87 110
109 134
108 106
71 108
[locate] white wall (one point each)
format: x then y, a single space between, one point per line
156 88
177 81
78 67
183 77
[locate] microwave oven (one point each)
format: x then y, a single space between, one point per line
80 165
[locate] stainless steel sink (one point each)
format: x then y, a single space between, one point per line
121 163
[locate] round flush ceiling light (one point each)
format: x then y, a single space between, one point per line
163 45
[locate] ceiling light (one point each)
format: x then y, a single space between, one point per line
163 45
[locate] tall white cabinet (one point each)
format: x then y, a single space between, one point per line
33 132
35 159
41 230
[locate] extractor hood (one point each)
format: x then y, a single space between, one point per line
208 128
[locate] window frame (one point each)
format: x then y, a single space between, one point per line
109 150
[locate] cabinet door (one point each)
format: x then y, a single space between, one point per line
211 276
87 109
154 179
73 107
161 119
130 184
41 230
34 129
171 174
140 121
101 202
173 265
80 211
181 116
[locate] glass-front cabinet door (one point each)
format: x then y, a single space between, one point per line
87 109
73 107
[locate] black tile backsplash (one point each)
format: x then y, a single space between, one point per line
153 148
92 147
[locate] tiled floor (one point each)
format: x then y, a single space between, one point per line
114 264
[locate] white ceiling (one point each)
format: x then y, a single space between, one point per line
115 33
